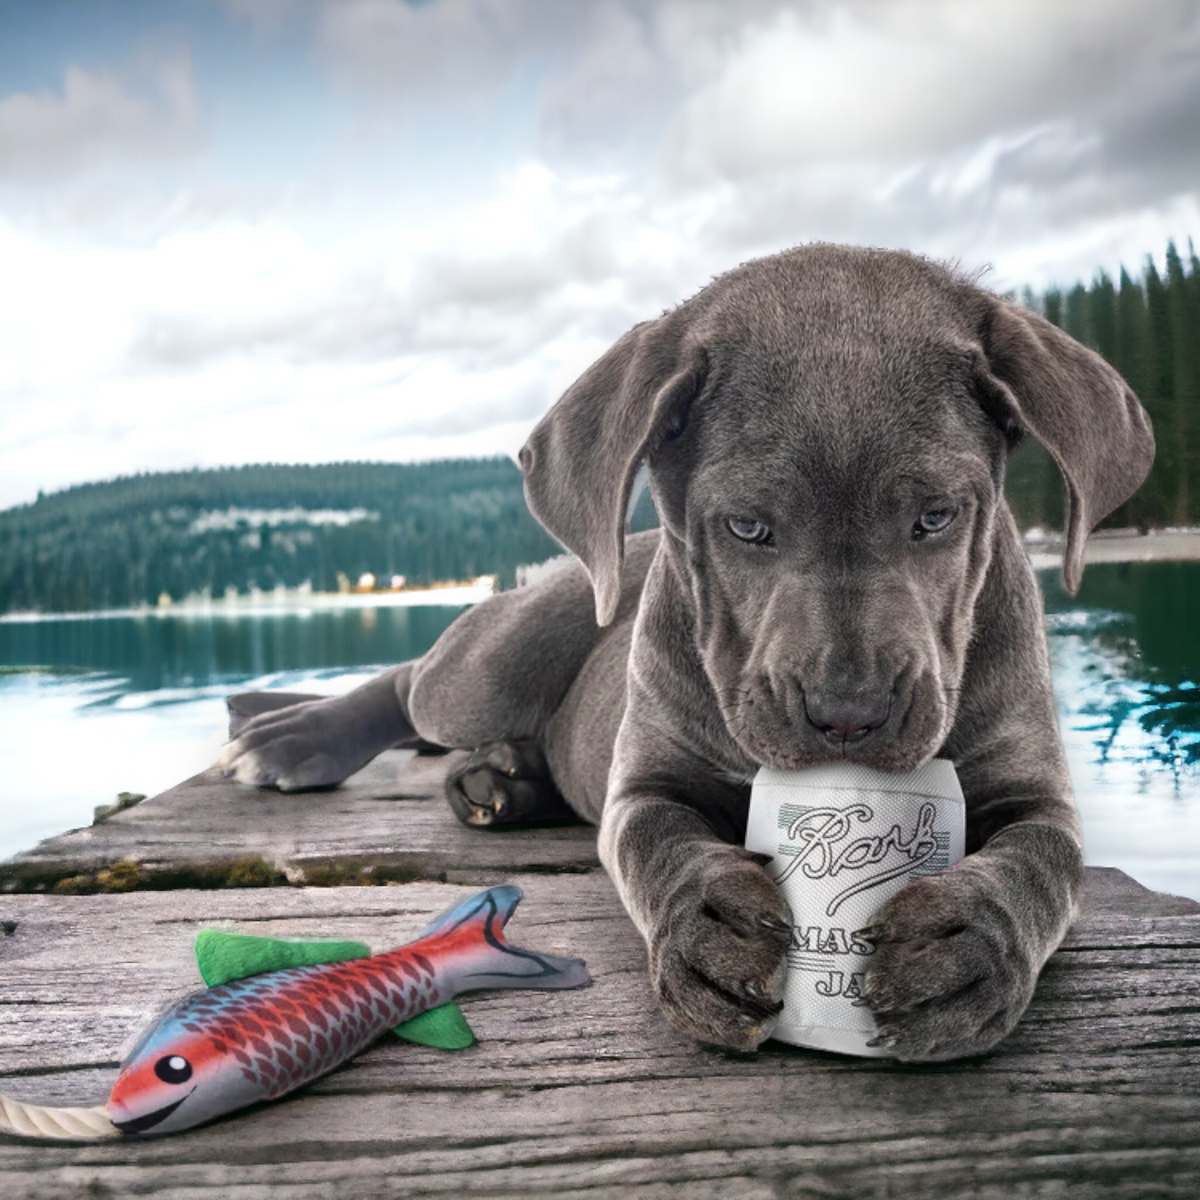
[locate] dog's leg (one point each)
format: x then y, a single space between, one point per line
245 706
498 675
957 955
716 927
495 675
318 743
537 689
520 781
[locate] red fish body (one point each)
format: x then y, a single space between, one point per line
257 1038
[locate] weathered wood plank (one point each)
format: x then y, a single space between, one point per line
388 822
591 1093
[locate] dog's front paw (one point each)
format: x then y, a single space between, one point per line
718 956
950 976
301 747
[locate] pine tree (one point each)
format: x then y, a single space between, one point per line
1130 355
1182 429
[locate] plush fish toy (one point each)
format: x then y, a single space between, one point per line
258 1038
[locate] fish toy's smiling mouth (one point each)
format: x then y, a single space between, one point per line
141 1124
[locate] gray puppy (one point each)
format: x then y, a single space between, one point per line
837 576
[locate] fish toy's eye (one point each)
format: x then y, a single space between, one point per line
173 1069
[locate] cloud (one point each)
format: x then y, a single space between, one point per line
411 226
266 18
961 130
448 48
614 90
98 118
896 83
497 279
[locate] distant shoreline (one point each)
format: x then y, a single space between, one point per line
1045 553
1119 545
280 603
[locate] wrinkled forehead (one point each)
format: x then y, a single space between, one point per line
839 410
832 338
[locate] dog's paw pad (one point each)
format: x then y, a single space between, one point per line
505 784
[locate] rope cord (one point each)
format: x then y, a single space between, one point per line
55 1124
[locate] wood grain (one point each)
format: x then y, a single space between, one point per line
388 822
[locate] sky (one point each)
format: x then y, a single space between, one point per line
307 231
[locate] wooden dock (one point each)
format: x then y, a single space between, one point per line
573 1094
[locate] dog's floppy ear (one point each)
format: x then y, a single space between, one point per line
580 461
1038 378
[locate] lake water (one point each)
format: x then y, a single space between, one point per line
93 706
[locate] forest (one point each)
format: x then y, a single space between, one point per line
126 542
1149 329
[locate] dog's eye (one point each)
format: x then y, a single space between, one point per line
934 521
750 531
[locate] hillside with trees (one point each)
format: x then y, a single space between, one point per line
125 543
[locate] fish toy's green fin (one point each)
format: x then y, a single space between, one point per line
223 957
444 1028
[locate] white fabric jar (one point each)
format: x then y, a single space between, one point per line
843 839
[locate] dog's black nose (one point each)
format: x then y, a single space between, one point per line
842 717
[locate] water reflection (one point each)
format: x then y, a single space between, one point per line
1125 656
90 707
1133 644
169 652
